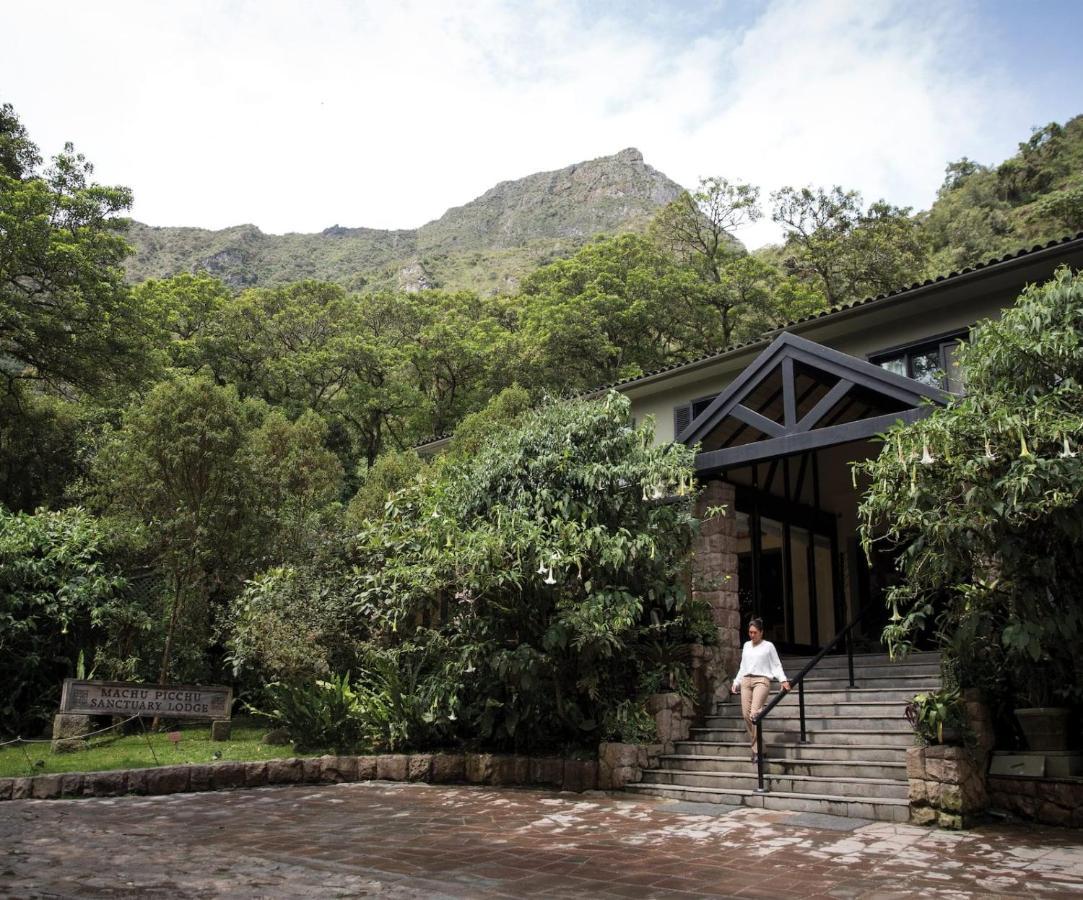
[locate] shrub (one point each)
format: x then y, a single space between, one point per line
985 498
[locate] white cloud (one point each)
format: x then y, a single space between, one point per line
298 116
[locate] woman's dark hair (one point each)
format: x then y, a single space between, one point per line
756 623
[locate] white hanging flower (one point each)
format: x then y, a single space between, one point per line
1067 452
927 459
550 579
989 454
541 569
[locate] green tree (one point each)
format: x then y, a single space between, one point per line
700 228
66 316
527 574
61 595
219 488
845 250
985 497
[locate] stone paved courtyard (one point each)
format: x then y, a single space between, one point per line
413 840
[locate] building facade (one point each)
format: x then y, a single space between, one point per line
779 422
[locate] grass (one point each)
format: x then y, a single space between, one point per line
131 751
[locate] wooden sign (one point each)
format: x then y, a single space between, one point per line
121 698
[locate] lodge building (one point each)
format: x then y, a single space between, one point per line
779 420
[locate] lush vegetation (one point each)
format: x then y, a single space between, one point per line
985 497
202 481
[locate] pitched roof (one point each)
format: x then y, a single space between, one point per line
799 395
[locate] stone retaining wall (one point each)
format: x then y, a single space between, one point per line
1051 801
434 768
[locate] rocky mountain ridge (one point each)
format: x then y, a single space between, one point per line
487 244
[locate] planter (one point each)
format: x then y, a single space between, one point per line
1045 727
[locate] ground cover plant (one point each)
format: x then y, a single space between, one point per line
985 498
137 749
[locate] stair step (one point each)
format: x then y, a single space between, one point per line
886 809
820 768
778 722
790 708
816 735
796 752
792 784
817 693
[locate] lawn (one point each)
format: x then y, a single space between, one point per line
139 750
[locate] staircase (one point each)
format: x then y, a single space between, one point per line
853 763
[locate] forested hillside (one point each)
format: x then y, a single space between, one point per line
486 245
215 428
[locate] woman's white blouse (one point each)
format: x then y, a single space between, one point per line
759 659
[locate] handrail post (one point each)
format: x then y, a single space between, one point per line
850 654
760 788
801 705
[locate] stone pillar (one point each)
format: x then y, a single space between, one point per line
68 731
714 569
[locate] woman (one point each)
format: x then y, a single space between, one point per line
759 664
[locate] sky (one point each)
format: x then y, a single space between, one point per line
296 116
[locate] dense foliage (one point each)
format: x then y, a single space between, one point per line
986 498
246 451
62 594
513 594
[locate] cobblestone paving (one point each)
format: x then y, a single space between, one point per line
415 840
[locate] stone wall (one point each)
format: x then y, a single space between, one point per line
1051 801
714 570
947 786
436 768
948 783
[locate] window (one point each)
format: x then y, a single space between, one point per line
932 362
686 412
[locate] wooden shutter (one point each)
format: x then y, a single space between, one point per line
682 418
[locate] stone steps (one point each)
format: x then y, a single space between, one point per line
853 762
858 787
779 765
901 739
796 752
883 809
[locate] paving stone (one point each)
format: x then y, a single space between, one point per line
402 840
419 767
22 788
255 774
284 771
47 787
336 769
448 768
310 769
167 780
479 768
391 767
228 775
71 784
105 784
366 768
6 785
199 777
547 770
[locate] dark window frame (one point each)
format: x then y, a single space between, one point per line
912 349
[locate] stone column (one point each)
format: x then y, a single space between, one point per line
714 570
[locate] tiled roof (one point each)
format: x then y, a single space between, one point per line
840 307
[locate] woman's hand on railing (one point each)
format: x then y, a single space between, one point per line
785 685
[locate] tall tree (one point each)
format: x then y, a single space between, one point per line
846 250
700 227
66 316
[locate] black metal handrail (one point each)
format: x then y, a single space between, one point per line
799 682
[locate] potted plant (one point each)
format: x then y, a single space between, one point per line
1041 717
937 716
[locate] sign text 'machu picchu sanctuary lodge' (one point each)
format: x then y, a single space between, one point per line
95 698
